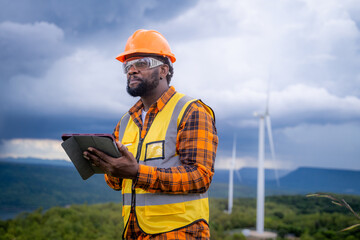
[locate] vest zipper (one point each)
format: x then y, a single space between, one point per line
139 149
138 154
133 195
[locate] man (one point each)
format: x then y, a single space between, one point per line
168 144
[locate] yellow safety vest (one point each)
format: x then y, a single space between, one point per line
160 212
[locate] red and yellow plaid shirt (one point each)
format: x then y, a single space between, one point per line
196 145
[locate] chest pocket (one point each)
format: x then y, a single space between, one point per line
155 150
129 140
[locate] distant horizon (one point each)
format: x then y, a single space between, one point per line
9 159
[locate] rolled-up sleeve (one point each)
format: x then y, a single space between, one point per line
113 182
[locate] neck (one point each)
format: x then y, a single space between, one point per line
151 98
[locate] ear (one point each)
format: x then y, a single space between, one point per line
164 70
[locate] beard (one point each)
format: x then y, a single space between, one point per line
145 86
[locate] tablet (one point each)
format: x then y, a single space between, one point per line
75 144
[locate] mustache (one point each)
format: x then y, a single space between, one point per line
134 78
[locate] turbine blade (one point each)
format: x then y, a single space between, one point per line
267 96
238 175
234 150
272 149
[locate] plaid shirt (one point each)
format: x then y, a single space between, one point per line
196 145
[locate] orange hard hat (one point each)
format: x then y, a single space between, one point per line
147 41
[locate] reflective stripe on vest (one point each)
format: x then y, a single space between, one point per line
160 212
159 199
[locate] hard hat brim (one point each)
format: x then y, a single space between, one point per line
122 56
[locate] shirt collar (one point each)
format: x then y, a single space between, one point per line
158 105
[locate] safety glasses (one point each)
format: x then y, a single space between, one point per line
141 64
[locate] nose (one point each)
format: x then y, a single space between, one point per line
132 70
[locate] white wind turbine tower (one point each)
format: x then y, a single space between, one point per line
231 177
263 119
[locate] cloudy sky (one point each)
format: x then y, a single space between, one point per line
58 72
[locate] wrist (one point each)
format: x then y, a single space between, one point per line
136 172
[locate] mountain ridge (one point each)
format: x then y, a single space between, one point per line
44 183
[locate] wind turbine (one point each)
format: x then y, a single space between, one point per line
231 177
260 199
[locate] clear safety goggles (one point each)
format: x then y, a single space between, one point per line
141 64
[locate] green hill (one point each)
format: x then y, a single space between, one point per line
25 187
305 218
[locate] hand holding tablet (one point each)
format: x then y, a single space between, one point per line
76 144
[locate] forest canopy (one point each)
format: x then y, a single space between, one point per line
306 218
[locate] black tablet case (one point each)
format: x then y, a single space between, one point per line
75 145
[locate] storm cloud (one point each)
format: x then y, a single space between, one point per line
59 73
